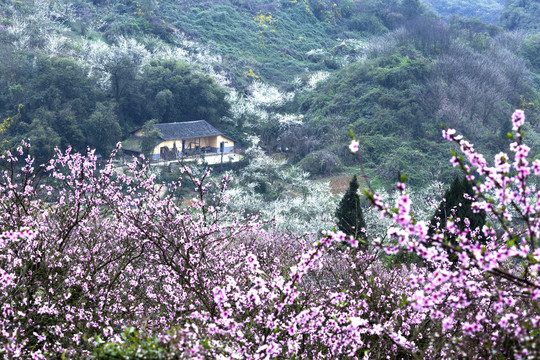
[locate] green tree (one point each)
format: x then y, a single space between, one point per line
43 139
151 136
456 205
174 91
349 212
59 98
4 128
411 8
57 83
531 51
101 129
521 14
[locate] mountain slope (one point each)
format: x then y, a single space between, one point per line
392 71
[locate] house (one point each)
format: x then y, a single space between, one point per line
182 138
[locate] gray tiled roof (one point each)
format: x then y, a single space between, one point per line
187 130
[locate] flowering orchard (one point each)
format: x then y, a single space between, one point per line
88 254
487 299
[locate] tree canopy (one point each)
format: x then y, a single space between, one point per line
174 91
349 214
457 207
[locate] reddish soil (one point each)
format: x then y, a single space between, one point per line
340 183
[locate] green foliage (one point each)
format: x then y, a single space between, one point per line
411 8
456 206
531 51
272 38
44 139
322 162
101 128
331 11
349 215
4 127
275 50
173 91
377 100
464 74
367 23
135 345
128 18
63 105
473 30
487 11
151 136
407 82
521 14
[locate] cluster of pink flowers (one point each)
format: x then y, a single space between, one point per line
88 252
493 283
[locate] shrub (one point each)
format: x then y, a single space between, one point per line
320 163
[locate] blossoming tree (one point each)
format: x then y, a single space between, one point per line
88 253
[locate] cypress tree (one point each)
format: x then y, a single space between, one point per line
457 205
349 212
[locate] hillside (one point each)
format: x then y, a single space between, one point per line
489 11
82 67
398 97
295 74
521 14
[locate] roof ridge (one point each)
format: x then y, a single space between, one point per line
183 122
187 130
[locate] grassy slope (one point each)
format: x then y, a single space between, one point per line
274 52
269 37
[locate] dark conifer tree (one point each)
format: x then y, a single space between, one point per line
457 205
349 212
